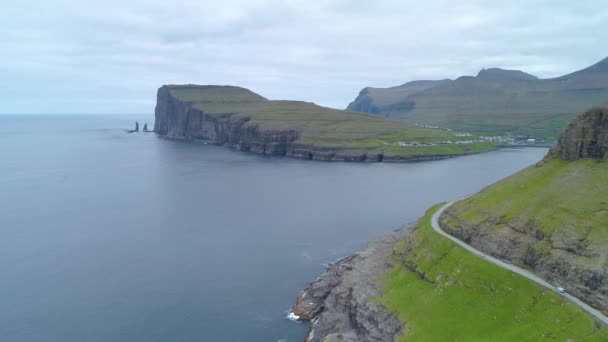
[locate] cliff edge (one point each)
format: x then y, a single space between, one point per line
241 119
585 137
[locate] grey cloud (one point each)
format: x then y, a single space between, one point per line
78 56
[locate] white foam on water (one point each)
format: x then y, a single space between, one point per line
293 317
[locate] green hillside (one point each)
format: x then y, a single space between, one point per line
324 127
551 217
496 101
444 293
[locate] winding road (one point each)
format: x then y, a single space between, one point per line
435 224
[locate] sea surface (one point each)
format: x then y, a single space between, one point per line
108 236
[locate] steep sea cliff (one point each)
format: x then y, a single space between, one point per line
181 119
177 119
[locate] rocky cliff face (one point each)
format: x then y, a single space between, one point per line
176 119
555 259
341 303
585 137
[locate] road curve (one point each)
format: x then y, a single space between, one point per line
435 224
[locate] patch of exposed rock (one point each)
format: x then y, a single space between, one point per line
585 137
557 259
341 304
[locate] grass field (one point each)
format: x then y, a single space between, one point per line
444 293
541 126
324 127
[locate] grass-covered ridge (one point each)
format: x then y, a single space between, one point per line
496 101
444 293
324 127
551 218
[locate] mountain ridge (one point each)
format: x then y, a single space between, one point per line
495 101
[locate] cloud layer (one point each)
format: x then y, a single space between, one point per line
110 56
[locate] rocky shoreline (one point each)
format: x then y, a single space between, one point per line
179 120
340 303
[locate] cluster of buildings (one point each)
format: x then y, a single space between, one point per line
501 140
515 140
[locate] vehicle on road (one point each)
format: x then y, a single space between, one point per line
560 289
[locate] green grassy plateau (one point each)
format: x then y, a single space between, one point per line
496 101
444 293
562 198
324 127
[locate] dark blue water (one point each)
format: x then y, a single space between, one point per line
107 236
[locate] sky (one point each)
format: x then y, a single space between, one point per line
111 56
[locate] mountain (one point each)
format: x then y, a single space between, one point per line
241 119
496 101
551 217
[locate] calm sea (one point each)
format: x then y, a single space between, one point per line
108 236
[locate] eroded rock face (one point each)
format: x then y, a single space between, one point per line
554 258
585 137
341 301
179 120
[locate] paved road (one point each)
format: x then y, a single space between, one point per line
435 224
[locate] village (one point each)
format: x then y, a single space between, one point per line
500 140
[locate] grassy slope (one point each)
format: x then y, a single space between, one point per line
568 201
487 107
322 126
470 299
540 107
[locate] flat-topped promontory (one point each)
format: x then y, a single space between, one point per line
241 119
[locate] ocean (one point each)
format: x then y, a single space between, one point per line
109 236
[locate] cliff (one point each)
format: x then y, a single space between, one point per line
341 301
178 119
585 137
240 119
550 217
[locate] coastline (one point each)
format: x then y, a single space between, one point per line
340 303
329 154
179 119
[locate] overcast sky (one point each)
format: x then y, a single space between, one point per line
110 56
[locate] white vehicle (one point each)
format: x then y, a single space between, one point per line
560 289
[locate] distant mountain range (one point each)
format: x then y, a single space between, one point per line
496 101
